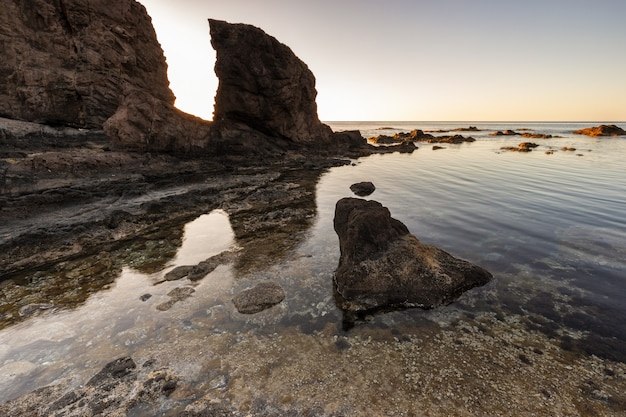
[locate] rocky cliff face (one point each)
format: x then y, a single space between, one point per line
97 64
70 62
264 85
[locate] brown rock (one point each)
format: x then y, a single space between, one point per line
383 266
145 123
602 130
363 189
264 85
71 62
259 298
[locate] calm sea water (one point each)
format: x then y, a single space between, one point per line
550 227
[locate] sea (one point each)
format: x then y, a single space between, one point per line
548 333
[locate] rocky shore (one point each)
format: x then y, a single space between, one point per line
99 170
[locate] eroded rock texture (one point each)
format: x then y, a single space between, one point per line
70 62
383 266
264 85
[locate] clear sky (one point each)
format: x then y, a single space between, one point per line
435 60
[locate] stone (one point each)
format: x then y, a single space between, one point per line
602 130
143 122
522 147
383 266
71 62
363 189
259 298
264 85
507 132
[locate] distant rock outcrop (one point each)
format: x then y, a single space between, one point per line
71 62
383 266
602 130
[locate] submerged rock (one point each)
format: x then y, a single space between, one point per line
383 266
522 147
259 298
602 130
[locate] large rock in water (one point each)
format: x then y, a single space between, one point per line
264 85
71 62
383 266
602 130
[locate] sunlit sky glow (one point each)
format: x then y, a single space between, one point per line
436 60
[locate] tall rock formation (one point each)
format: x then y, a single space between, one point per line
71 62
264 85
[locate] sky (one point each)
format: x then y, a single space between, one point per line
419 60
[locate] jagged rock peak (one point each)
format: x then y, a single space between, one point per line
264 85
70 62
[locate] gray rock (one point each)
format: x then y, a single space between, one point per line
259 298
383 266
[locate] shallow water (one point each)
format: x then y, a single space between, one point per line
551 229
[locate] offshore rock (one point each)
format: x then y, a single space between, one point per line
363 189
602 130
264 85
71 62
383 266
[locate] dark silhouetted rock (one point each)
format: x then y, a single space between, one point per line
71 62
383 266
363 189
602 130
259 298
522 147
264 85
505 133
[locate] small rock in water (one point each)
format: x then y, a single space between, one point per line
259 298
363 189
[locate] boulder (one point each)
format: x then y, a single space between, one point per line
602 130
71 62
363 189
259 298
143 122
383 266
264 85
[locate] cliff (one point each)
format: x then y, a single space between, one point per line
98 65
71 62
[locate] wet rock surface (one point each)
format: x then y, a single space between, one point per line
383 266
418 135
116 390
261 297
602 130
